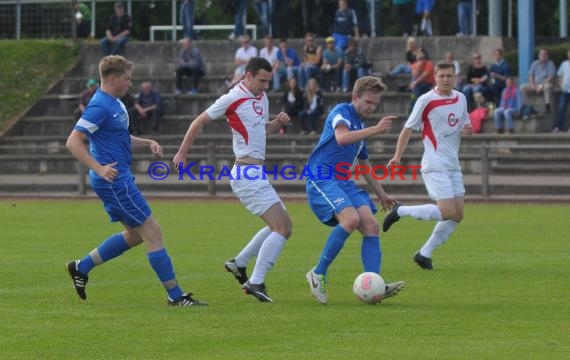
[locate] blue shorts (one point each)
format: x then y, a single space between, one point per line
123 201
329 197
424 6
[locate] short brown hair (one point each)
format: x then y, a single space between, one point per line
368 84
444 64
114 65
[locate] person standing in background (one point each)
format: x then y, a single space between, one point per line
187 17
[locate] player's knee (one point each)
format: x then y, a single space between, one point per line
370 227
350 223
458 216
284 229
132 238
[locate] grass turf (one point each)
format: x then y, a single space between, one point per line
500 289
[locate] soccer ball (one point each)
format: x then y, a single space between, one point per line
369 287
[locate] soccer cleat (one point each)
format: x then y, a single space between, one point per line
422 261
238 272
186 300
79 280
392 217
318 286
257 290
393 289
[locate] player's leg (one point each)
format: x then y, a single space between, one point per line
237 266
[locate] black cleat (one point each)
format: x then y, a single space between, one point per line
186 300
391 217
257 290
422 261
238 272
79 280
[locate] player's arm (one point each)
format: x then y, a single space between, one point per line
77 146
345 137
281 119
386 200
403 139
155 148
195 128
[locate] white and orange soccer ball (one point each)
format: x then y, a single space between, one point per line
369 287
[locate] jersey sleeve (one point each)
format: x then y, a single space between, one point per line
91 119
341 117
218 109
415 119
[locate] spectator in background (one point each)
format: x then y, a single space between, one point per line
425 8
148 108
422 76
82 16
314 108
187 17
563 73
280 19
239 19
263 12
375 16
288 63
312 59
465 17
189 64
332 66
498 74
293 100
405 10
540 79
86 96
476 81
129 102
354 65
510 105
345 25
269 52
118 31
406 68
449 57
243 54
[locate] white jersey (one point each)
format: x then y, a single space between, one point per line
440 119
247 115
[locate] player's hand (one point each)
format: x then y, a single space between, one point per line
156 149
385 123
393 162
467 130
108 172
387 202
283 118
179 158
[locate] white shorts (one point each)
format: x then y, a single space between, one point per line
253 189
444 184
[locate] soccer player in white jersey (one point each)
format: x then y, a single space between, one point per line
338 202
441 115
246 109
105 125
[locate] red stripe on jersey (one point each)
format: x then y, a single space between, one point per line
234 119
427 130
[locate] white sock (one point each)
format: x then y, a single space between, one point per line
421 212
252 248
268 254
441 232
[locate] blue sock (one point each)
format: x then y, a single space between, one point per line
162 266
371 254
115 245
334 244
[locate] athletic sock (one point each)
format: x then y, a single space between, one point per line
371 254
334 244
252 248
441 232
268 254
162 266
115 245
421 212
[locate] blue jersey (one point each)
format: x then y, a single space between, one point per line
105 121
328 154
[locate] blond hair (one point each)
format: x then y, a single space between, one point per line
114 65
368 84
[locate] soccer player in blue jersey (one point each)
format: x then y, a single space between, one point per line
105 125
336 200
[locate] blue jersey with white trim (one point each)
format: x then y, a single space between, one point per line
328 153
105 121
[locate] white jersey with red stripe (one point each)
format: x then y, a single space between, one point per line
247 115
440 119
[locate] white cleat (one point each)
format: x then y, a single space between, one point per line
394 289
317 284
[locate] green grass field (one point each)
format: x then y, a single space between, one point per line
500 289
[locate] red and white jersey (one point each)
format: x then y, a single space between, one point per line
247 115
440 119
